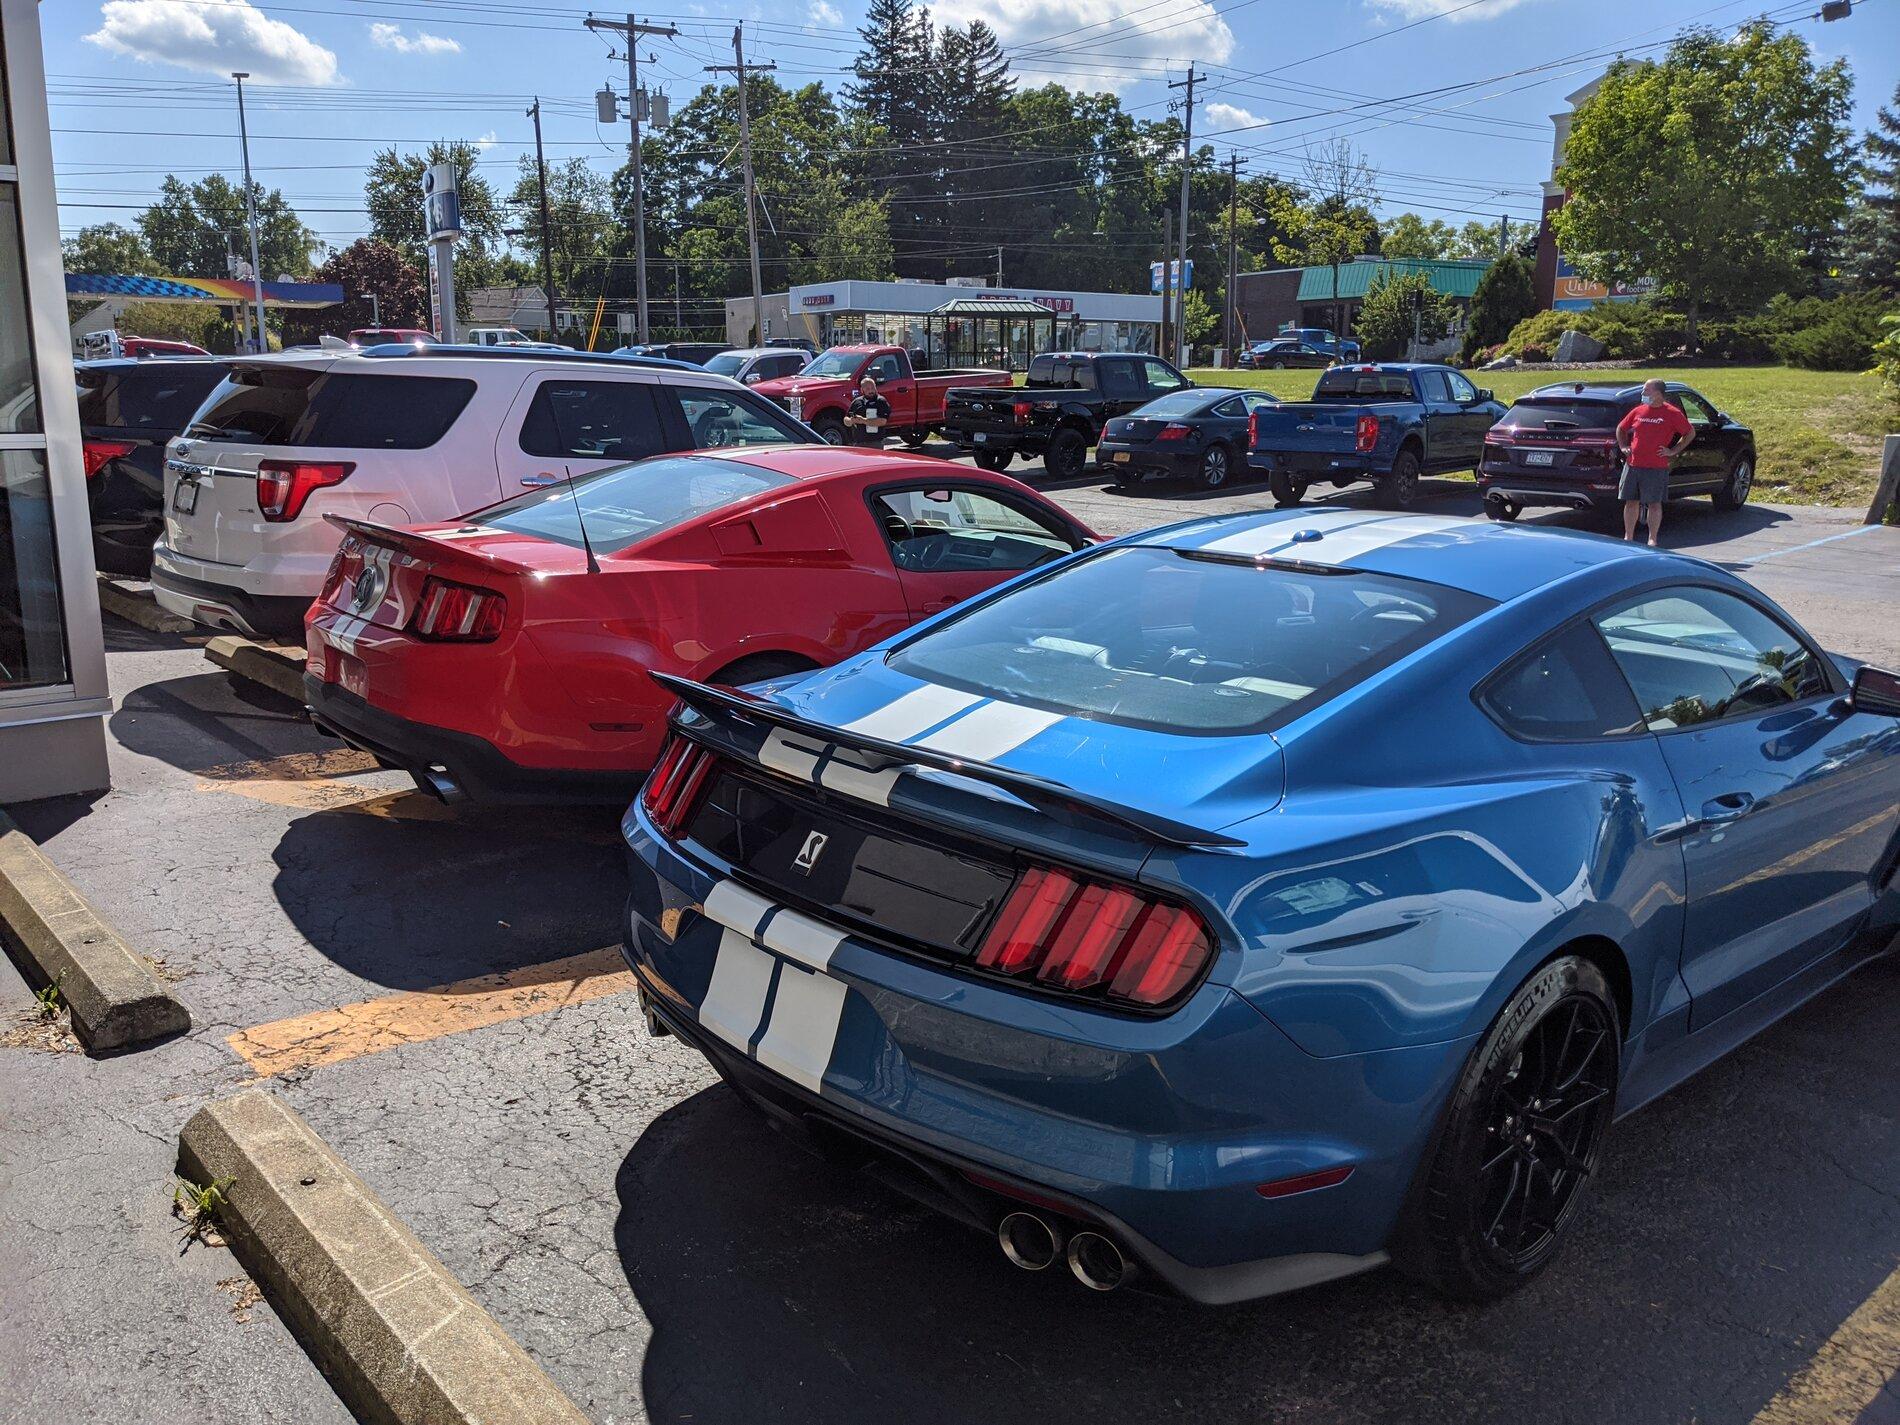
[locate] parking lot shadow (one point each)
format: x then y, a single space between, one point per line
1736 1225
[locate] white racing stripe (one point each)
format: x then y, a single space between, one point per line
793 755
1272 537
844 773
741 980
804 1028
909 715
736 908
1348 544
990 731
803 939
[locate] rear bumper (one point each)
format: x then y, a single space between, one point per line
1317 465
455 765
1015 441
217 605
1535 491
1148 459
1156 1131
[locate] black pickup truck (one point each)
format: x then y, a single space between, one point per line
1059 412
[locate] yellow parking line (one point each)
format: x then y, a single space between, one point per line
1850 1370
332 1035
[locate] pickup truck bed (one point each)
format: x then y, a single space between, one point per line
820 395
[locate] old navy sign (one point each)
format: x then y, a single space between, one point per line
818 299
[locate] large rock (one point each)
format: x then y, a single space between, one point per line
1503 363
1574 345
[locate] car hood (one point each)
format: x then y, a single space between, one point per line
1200 781
796 385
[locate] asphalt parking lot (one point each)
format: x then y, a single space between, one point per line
437 992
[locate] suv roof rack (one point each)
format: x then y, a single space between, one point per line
388 351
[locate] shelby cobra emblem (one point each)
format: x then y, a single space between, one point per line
809 853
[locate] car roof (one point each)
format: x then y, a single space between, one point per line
817 462
452 352
1590 390
756 351
1495 561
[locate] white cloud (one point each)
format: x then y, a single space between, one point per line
1457 11
823 13
215 36
1085 53
1231 116
386 36
487 141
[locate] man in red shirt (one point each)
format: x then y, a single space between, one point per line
1651 436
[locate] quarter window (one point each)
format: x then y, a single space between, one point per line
1160 377
718 418
1696 655
593 420
951 531
1566 689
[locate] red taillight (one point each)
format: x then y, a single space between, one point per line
674 784
1253 429
1174 430
1020 410
98 452
1082 935
284 485
458 612
1366 435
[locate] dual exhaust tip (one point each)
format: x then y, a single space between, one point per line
1031 1243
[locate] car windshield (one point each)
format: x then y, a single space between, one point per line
1178 403
625 504
1561 415
727 363
1182 642
835 363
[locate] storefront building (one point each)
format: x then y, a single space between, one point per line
953 325
52 662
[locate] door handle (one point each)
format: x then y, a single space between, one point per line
937 606
1727 807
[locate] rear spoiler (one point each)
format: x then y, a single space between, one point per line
436 551
726 704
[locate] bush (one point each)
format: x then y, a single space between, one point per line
1843 339
1533 352
1505 296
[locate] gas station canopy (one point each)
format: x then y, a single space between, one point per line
221 290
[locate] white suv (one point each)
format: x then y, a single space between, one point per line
401 437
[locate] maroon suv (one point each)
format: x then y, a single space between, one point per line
1557 446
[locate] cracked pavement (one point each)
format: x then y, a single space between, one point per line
666 1256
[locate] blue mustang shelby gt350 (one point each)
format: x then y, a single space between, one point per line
1252 902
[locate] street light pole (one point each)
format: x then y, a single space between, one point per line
250 210
740 69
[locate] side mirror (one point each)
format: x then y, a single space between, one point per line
1876 691
1485 394
752 378
1721 419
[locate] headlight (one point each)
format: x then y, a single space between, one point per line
796 405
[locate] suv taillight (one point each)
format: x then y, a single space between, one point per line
674 784
98 452
1078 935
1020 410
1366 435
284 485
457 612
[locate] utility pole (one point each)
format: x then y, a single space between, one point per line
541 179
1187 170
740 68
1163 347
999 267
1233 251
250 210
634 33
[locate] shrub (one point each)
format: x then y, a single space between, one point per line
1533 352
1842 339
1505 295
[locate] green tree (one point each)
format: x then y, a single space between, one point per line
392 199
1409 235
1873 228
894 97
1398 306
1203 317
970 93
1505 295
107 248
186 229
1713 170
1331 222
1479 238
578 222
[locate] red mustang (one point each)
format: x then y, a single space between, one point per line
505 657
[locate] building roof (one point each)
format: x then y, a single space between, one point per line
992 307
1455 277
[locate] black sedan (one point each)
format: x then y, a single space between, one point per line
128 410
1286 352
1198 434
1557 446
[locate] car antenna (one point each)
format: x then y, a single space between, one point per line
593 564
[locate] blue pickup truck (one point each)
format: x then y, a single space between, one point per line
1389 423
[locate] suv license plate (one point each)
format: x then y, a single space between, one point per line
1540 457
982 439
185 497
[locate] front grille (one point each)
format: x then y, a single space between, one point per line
935 895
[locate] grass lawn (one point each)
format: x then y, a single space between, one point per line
1818 433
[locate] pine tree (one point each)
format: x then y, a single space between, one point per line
971 90
894 96
1873 228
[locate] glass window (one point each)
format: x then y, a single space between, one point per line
1694 655
726 418
1432 387
19 392
1558 415
1231 409
1118 379
1566 689
1258 401
32 629
593 420
886 368
6 109
625 504
835 364
1184 643
1182 403
155 396
727 363
946 531
1461 389
307 406
1699 411
1349 383
1158 376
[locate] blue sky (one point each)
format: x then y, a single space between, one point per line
139 88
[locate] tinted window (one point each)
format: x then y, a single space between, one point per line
1118 379
783 366
944 531
159 396
1699 411
305 406
886 368
1559 416
1461 389
1159 377
1230 409
1695 655
1432 386
627 503
727 418
1154 638
1181 403
728 363
593 420
1566 689
1348 383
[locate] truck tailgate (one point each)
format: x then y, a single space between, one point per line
1308 429
977 408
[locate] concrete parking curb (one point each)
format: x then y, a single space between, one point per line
116 999
270 665
398 1336
137 606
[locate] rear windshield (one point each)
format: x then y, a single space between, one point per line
1155 638
1075 373
628 503
1179 403
158 396
311 406
1562 415
1348 383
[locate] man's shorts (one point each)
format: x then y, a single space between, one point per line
1639 482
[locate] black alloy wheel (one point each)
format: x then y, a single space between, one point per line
1400 488
995 461
1286 490
1741 479
914 439
1068 454
1216 466
1520 1139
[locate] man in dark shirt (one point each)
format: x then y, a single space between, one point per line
870 413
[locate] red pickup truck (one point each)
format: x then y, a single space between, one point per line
821 393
